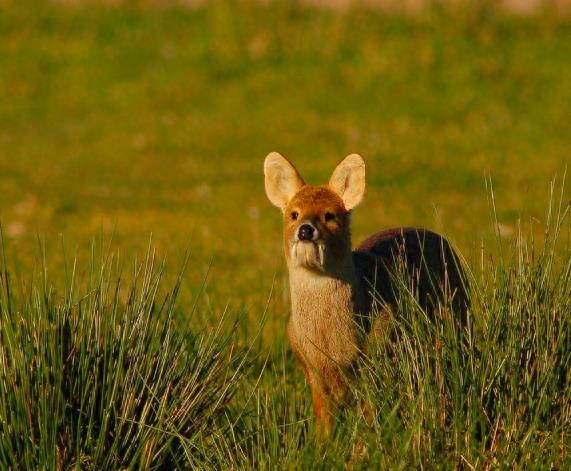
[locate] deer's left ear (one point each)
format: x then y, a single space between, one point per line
348 180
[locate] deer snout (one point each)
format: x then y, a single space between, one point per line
307 232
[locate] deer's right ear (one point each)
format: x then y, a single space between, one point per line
282 180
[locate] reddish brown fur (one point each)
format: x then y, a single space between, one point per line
312 203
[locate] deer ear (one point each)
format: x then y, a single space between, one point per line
348 180
282 180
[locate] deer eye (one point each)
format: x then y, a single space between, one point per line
329 216
294 215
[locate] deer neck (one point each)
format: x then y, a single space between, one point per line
322 327
317 294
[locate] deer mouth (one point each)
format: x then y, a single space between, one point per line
308 254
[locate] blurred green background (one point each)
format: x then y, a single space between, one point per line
137 118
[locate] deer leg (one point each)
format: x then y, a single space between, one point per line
321 410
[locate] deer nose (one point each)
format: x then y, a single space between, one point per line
306 232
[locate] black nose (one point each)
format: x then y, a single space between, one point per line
305 232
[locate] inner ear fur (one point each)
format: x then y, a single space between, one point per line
348 180
282 180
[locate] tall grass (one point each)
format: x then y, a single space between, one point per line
497 396
107 374
101 376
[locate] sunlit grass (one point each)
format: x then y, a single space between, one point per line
102 376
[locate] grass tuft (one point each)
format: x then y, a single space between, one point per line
497 394
104 378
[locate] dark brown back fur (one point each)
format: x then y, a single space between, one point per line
432 267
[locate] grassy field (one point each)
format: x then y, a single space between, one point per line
121 122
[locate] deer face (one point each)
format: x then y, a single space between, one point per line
316 228
316 218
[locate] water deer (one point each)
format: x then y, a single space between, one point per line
332 287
